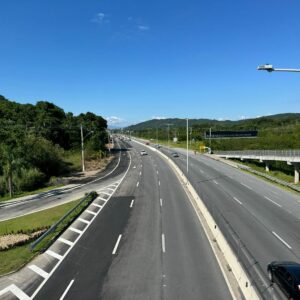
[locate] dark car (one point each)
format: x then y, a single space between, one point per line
175 154
287 276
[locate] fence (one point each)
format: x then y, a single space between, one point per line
84 203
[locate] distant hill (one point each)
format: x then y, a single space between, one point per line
245 124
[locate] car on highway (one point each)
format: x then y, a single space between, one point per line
175 154
143 152
287 276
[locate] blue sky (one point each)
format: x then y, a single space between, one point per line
133 60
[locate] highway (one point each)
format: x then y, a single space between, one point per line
147 243
265 217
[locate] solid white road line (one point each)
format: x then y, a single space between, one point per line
131 204
39 271
16 291
117 244
75 230
272 201
97 205
65 241
66 290
101 198
137 184
163 243
282 240
160 201
90 212
237 200
84 221
247 186
54 254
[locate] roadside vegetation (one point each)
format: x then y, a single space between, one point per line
40 143
17 234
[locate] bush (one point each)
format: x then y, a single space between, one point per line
29 179
2 186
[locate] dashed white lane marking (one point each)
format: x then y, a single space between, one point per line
39 271
117 244
201 171
141 166
90 212
97 205
160 200
131 204
65 241
140 173
275 193
84 221
66 290
272 201
237 200
159 182
247 186
137 184
75 230
282 240
157 172
163 243
215 181
54 254
16 291
134 167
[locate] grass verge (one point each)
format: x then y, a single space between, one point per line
13 259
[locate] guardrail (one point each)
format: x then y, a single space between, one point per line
88 198
285 153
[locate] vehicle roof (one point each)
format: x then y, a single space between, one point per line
292 267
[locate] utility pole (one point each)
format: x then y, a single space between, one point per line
82 149
169 135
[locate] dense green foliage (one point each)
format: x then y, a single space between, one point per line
274 132
33 139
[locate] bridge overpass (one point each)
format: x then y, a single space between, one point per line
291 157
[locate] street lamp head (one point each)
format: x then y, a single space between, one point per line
266 67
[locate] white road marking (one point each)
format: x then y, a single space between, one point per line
39 271
16 291
160 200
247 186
201 171
159 182
140 173
91 212
117 244
134 167
282 240
75 230
156 172
215 181
272 201
101 198
131 204
66 241
163 243
108 194
137 184
54 254
237 200
66 290
84 221
97 205
275 193
108 188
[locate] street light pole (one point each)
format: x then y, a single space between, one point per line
187 145
169 135
270 68
82 146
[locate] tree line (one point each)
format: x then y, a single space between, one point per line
33 139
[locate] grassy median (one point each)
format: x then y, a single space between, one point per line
14 258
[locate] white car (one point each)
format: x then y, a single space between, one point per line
143 152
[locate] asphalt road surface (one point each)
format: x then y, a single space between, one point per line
147 243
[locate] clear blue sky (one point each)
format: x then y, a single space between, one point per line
135 60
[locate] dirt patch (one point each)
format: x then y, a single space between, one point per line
11 240
97 164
